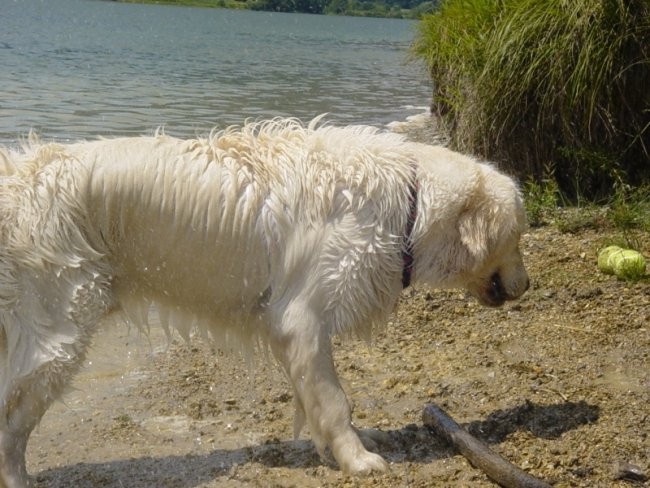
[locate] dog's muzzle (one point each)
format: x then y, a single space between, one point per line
495 293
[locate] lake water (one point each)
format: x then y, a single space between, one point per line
78 68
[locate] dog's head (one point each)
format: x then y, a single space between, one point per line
502 276
474 225
490 228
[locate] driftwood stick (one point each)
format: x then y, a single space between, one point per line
478 453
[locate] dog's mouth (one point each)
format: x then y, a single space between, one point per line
493 294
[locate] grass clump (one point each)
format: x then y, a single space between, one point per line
541 201
626 212
630 209
533 83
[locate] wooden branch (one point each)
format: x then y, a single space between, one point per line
478 453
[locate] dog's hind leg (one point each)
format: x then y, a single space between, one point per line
302 344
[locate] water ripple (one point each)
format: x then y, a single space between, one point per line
84 69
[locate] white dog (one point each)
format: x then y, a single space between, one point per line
274 232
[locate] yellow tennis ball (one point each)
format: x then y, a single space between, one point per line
628 264
603 259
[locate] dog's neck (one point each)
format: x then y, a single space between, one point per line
407 250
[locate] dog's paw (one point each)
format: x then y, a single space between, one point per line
365 463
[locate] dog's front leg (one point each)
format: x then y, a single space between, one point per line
22 406
24 400
301 342
13 472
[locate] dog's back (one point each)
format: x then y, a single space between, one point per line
208 226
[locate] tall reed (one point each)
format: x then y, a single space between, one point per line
539 84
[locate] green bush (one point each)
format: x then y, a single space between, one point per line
541 201
539 83
305 6
630 209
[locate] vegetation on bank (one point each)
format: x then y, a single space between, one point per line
627 211
368 8
555 90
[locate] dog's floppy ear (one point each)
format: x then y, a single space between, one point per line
490 213
476 229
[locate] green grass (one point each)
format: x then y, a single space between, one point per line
630 209
541 201
234 4
626 212
533 83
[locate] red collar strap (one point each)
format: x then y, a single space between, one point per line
407 250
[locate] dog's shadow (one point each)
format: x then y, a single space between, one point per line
412 443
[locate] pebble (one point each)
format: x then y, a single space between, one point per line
629 472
